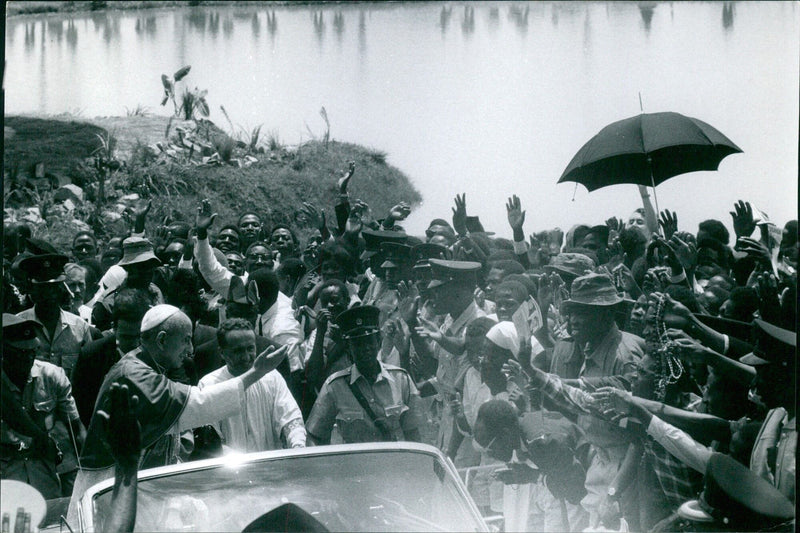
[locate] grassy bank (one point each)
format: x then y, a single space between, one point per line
276 185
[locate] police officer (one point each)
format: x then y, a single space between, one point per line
369 401
733 499
35 394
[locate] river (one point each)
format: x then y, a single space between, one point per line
489 99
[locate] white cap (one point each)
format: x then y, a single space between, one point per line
157 315
504 335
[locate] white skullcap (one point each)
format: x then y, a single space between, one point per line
504 335
157 315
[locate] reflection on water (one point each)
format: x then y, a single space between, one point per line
468 22
728 12
510 98
646 10
444 18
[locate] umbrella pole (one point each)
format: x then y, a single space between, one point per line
653 184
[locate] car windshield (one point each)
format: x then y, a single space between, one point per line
364 491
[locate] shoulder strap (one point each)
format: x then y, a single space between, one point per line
380 422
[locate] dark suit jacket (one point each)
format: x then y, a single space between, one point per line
94 361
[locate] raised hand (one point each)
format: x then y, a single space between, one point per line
323 320
516 216
514 373
409 302
675 315
345 179
615 224
314 216
122 429
204 219
613 404
549 291
399 334
623 279
429 330
269 359
685 252
668 222
460 214
743 222
755 249
400 211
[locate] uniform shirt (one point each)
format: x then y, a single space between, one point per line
70 335
47 395
279 324
605 364
393 390
267 410
451 366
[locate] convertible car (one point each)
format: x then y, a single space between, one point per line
354 487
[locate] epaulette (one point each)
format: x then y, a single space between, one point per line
339 374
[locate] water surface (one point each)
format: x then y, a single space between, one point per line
484 98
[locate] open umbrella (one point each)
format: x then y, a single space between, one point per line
648 149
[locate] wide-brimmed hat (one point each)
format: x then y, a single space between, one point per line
19 332
737 498
773 345
595 290
45 268
136 250
572 264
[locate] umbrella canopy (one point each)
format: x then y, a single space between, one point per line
648 149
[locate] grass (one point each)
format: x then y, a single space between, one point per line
57 144
275 188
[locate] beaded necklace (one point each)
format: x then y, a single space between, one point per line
668 351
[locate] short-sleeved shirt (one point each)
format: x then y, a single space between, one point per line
71 334
47 395
393 392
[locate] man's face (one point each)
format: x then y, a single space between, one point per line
392 275
507 304
363 351
76 283
593 242
446 297
332 300
445 235
17 362
774 384
636 220
474 347
235 263
493 279
176 344
644 384
586 322
127 335
497 446
249 227
259 257
282 241
239 351
140 274
84 247
173 254
46 293
638 313
331 270
228 241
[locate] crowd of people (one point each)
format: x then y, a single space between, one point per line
629 374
